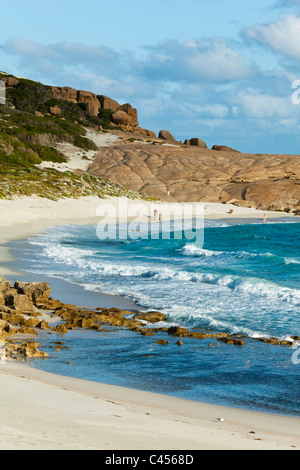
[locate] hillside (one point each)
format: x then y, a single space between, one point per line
61 142
34 128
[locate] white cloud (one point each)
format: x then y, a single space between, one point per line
190 61
255 104
198 87
196 60
213 110
281 36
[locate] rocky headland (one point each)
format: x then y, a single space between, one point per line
189 173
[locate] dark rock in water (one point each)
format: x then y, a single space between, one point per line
162 342
178 331
147 333
228 340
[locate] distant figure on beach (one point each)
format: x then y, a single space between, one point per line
160 216
231 211
155 214
265 217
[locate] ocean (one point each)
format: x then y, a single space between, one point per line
244 279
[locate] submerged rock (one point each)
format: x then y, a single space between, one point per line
162 342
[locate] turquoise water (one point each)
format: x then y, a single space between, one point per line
244 279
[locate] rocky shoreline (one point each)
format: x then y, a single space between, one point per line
24 305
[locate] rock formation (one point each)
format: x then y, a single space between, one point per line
55 110
166 135
197 142
35 298
187 174
10 81
124 116
223 148
108 103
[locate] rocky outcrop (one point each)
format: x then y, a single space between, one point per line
223 148
146 133
191 174
196 142
78 97
124 115
55 111
19 302
26 349
90 100
64 93
10 81
15 323
151 317
121 118
108 103
34 290
166 135
22 296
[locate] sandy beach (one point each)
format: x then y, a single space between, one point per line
44 411
41 411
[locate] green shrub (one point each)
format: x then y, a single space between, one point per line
49 154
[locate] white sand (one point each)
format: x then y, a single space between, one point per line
77 158
44 411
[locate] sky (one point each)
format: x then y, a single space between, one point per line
224 71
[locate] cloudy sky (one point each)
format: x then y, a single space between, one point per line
220 70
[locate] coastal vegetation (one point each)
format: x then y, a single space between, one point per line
29 135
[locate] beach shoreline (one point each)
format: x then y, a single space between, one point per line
22 218
46 411
65 412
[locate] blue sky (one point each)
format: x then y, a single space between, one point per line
220 70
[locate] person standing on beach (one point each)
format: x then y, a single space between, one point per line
155 214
